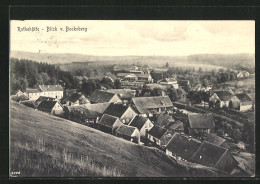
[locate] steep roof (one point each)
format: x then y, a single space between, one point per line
208 154
47 105
214 139
197 120
99 96
144 103
224 95
21 97
123 93
157 132
243 97
183 146
126 130
116 110
138 122
176 125
45 88
76 96
107 120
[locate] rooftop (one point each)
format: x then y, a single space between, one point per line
138 122
126 130
99 96
197 120
157 132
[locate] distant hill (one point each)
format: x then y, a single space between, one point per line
209 59
45 145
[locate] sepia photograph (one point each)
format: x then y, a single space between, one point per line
132 98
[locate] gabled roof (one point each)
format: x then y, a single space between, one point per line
76 96
214 139
197 120
163 120
126 130
243 97
144 103
98 107
157 132
107 120
175 126
116 110
138 122
183 146
47 105
224 95
208 154
45 88
123 93
99 96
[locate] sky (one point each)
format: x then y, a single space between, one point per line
142 38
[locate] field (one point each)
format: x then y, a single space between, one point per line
44 146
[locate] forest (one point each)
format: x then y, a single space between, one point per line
29 74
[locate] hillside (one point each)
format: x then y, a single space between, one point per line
44 145
184 61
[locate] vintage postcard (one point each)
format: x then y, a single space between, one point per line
132 98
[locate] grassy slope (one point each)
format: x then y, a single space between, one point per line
44 145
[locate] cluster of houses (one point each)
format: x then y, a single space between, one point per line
240 101
143 120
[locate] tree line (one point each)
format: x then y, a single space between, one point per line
29 74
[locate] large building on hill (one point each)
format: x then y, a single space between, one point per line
53 91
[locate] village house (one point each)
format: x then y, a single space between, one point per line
214 156
129 133
132 84
241 102
53 107
100 96
216 140
109 124
169 81
142 124
147 106
163 119
220 99
75 99
182 147
201 88
54 91
125 94
160 136
200 123
123 112
91 113
175 126
42 98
